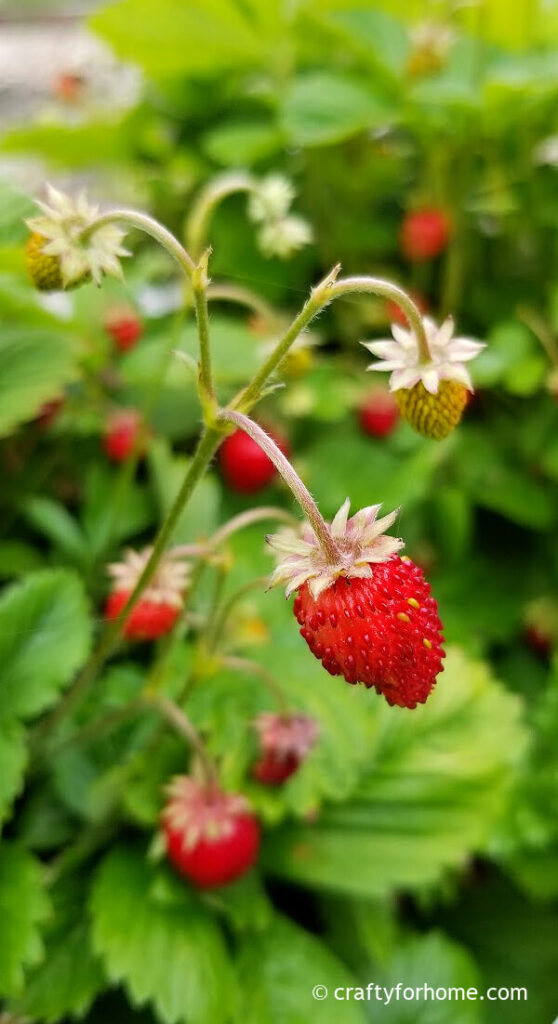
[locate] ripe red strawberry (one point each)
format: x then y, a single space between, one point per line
382 631
122 434
245 467
160 603
211 837
148 620
378 414
424 234
285 741
124 326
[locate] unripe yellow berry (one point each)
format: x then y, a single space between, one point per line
433 416
44 270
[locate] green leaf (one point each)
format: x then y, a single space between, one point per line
496 481
199 518
241 143
168 37
432 792
436 961
17 558
234 349
13 760
322 108
343 462
53 520
515 943
77 145
165 951
23 905
69 976
34 366
45 636
279 970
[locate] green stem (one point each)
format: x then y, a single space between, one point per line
151 227
291 478
327 290
224 292
208 444
200 299
197 224
221 618
182 725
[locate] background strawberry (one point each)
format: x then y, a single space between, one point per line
378 413
424 234
245 467
211 836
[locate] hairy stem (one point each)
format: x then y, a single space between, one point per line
291 478
324 293
143 222
181 724
197 224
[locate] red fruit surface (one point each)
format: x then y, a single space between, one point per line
245 467
272 768
211 837
379 414
383 631
122 432
424 234
125 329
148 620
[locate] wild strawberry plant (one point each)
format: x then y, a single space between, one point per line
181 763
201 818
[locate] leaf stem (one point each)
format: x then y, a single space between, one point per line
254 668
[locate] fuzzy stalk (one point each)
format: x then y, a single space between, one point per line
290 476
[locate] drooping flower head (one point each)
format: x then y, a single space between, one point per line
57 243
360 539
431 394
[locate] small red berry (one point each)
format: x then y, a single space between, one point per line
211 837
122 434
424 234
378 414
285 741
382 631
124 326
148 620
245 466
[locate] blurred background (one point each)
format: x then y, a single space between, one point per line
422 144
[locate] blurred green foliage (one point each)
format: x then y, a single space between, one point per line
412 846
